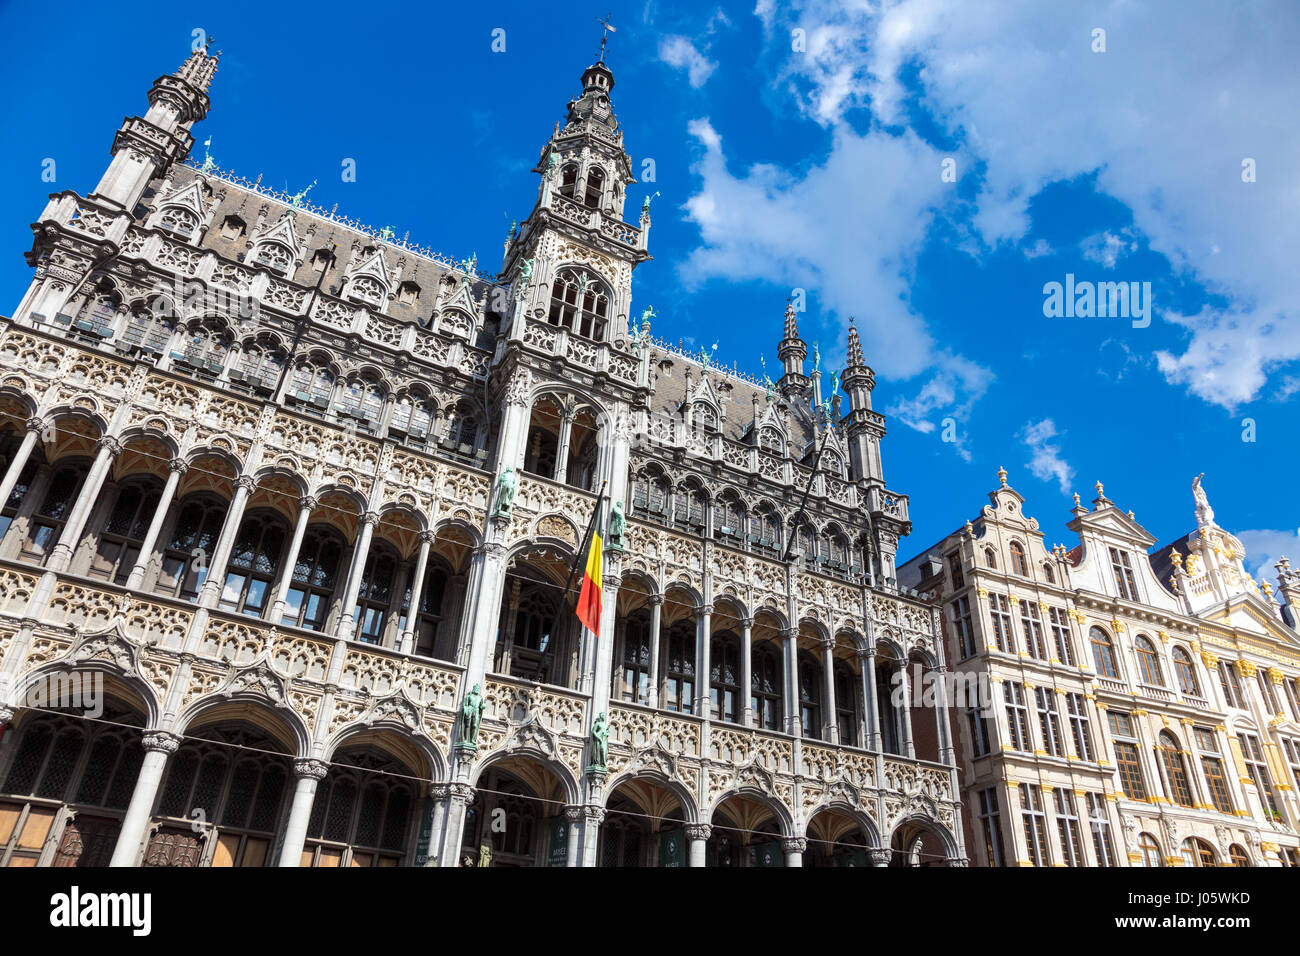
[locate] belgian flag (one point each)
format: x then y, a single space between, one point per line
588 608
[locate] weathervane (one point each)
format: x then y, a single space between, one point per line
606 29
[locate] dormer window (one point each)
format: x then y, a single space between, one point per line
705 419
366 289
769 439
579 302
274 256
232 228
408 293
595 187
179 221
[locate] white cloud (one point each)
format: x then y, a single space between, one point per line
1046 462
1106 248
848 238
1038 249
1264 548
1164 118
679 52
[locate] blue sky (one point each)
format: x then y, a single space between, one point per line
815 160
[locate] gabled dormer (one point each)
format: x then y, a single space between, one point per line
369 283
182 213
277 248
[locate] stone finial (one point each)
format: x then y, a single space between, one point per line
1101 492
1002 476
1076 500
855 345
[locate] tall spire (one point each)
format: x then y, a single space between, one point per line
199 68
855 346
792 351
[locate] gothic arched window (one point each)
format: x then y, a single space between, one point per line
428 622
313 383
315 574
679 674
179 221
366 289
185 562
846 703
728 518
595 186
580 302
632 680
151 333
769 439
810 696
568 180
376 594
688 508
413 416
275 256
990 558
650 496
535 619
254 563
260 365
766 528
362 400
60 496
765 686
119 543
724 677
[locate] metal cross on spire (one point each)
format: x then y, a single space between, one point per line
605 31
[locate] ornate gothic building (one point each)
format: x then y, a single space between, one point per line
1145 707
303 500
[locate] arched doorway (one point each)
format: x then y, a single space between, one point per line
836 837
517 818
645 825
746 832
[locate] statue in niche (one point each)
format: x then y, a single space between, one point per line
507 484
471 713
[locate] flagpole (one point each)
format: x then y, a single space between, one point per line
581 553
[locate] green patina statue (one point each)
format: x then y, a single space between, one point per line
471 712
525 272
599 743
617 524
296 199
506 487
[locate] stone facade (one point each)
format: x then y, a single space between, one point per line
1145 706
305 500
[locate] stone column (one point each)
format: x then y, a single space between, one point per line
407 642
656 613
309 772
305 507
210 592
15 470
943 726
562 447
348 617
905 711
747 671
158 746
870 715
880 856
109 448
459 797
177 468
794 848
490 562
830 716
790 680
573 817
697 834
439 792
592 818
703 690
